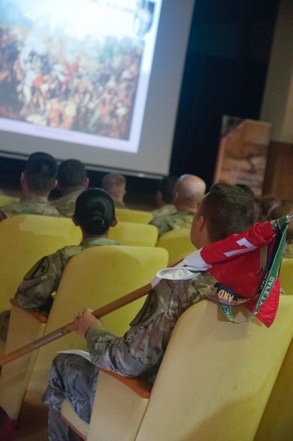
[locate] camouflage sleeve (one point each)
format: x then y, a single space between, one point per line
41 281
141 349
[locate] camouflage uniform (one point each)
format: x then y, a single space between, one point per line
166 210
36 289
138 352
38 205
178 219
66 204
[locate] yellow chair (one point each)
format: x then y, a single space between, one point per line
277 419
6 200
92 278
130 215
177 243
213 383
26 238
286 276
134 234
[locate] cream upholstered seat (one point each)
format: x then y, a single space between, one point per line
26 238
286 276
92 278
131 215
178 244
134 234
213 383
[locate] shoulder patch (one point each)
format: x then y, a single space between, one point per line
38 270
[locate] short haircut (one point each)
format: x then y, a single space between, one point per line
71 174
113 180
40 171
94 211
227 209
166 188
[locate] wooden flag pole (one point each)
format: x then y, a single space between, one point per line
100 312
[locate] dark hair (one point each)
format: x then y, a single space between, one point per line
227 209
94 211
266 202
166 188
247 189
40 171
71 174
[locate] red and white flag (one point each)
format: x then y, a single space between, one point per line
235 262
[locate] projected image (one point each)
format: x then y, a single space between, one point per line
77 70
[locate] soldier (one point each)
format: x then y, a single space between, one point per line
165 197
37 180
72 180
94 214
226 209
282 208
115 185
188 192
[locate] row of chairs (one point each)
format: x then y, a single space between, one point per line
92 278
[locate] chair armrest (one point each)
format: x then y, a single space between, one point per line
42 318
139 385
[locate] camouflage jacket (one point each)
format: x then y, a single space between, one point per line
39 205
141 349
66 204
172 221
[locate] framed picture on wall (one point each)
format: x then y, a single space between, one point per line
242 153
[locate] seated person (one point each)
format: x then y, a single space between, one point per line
72 180
94 214
165 196
188 192
266 202
225 210
282 208
37 180
115 185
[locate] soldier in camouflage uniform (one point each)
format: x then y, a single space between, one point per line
164 198
94 214
72 180
188 192
115 185
282 208
225 210
37 180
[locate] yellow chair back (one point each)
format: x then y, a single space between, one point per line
286 275
6 200
130 215
26 238
212 372
177 243
134 234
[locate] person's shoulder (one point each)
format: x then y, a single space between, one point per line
166 210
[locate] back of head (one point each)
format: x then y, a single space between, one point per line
166 189
94 211
189 190
282 208
227 209
40 173
115 185
266 202
71 176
